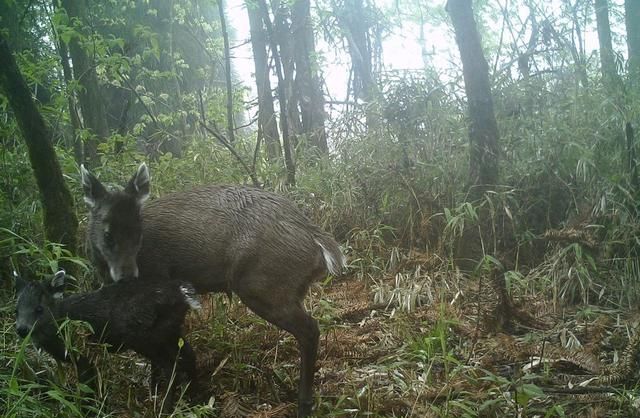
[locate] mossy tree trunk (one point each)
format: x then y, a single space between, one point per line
60 222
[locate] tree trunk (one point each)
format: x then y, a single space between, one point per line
76 141
359 48
60 222
267 122
289 162
483 129
227 73
607 59
281 37
483 134
632 17
11 24
21 35
307 82
90 97
577 46
356 29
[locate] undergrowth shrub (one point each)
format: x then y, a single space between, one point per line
394 191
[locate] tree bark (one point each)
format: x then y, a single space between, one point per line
483 129
227 73
577 46
281 39
90 97
307 82
60 222
267 122
356 24
282 97
359 48
632 17
607 59
76 141
11 24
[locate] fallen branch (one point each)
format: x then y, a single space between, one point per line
571 235
580 389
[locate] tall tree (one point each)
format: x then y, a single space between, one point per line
227 72
355 20
576 46
89 96
632 17
607 59
159 57
267 122
60 222
281 39
289 161
483 129
76 141
307 82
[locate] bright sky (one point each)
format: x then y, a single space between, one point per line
400 52
401 49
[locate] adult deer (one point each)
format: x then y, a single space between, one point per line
244 240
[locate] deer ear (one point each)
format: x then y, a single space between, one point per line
20 282
93 189
140 183
57 284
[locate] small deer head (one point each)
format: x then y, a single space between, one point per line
36 304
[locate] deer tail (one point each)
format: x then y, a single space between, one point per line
189 294
333 257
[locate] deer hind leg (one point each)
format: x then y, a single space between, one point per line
283 308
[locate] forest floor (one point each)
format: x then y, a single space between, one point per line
437 345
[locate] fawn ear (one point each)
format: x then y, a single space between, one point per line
20 282
139 184
93 189
57 284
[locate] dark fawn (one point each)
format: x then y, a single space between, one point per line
137 315
232 239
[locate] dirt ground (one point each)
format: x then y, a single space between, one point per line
370 359
453 353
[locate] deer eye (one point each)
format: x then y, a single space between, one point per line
108 239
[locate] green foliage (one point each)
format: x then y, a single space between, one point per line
382 191
435 347
45 258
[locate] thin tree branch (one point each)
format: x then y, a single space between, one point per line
146 108
220 137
